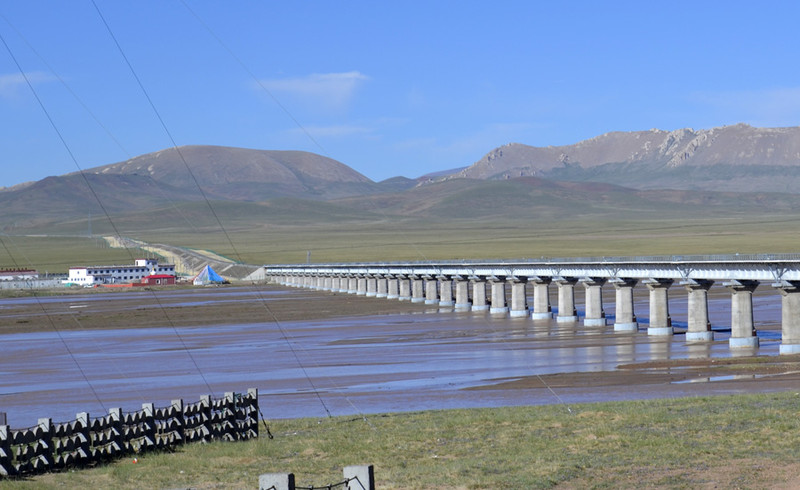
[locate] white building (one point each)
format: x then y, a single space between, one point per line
117 274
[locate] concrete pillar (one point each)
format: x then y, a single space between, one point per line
625 317
372 287
352 285
541 298
595 315
318 282
392 288
431 291
327 281
445 292
566 299
336 284
699 329
417 291
382 289
498 297
743 332
361 286
519 299
405 289
462 294
660 321
790 316
479 295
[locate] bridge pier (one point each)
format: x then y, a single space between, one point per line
790 316
382 289
541 298
431 291
392 288
498 288
479 295
462 293
660 321
566 299
519 299
743 332
405 289
361 288
417 293
699 329
372 287
445 292
625 320
595 316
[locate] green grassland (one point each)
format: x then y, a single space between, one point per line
745 441
419 240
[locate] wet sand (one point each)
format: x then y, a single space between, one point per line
314 353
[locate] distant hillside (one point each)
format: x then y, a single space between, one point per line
737 157
245 175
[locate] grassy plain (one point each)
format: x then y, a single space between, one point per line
439 240
743 441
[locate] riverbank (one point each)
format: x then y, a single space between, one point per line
745 441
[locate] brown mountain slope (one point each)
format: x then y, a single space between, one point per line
738 157
245 174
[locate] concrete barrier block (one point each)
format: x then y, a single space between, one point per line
360 477
276 481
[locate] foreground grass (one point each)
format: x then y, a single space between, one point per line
740 441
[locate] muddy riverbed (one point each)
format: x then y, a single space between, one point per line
317 354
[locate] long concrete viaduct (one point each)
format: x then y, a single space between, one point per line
463 285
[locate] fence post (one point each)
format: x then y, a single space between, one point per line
252 416
276 481
44 459
117 444
359 477
230 431
177 414
6 463
149 440
208 426
83 448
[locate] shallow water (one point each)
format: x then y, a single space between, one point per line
343 366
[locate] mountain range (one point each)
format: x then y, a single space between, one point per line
618 172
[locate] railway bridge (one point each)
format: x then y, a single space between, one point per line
481 285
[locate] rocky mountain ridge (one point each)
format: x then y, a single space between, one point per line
684 158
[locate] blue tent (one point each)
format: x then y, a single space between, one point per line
208 276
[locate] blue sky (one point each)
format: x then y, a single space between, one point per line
388 88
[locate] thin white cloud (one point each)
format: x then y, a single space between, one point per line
333 91
335 131
13 84
762 107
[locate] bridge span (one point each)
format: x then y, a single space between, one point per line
481 285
